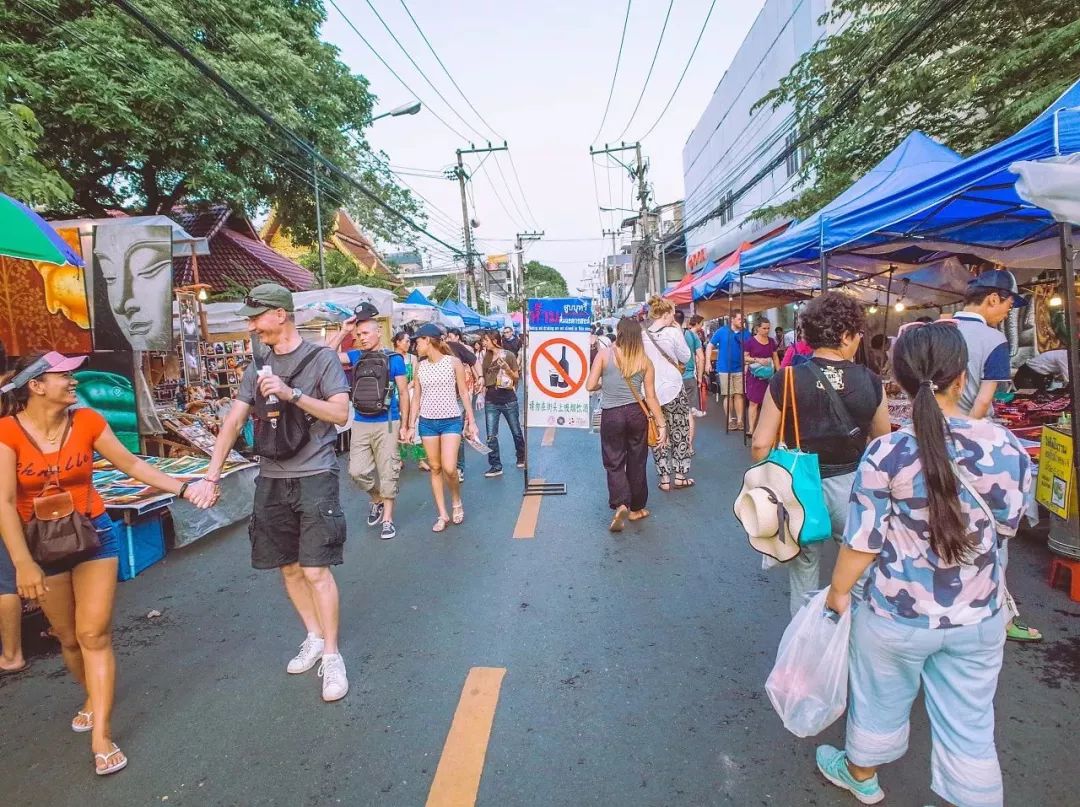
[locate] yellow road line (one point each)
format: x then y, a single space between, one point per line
549 437
457 779
530 513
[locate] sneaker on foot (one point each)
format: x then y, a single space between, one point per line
388 530
521 464
832 762
460 475
334 681
374 515
310 652
493 472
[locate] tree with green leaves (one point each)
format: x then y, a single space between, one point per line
973 73
341 271
131 126
542 280
22 176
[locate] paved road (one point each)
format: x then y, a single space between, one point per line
634 666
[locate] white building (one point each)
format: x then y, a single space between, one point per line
730 145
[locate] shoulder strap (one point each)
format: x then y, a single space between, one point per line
789 395
634 392
63 439
851 429
304 362
663 353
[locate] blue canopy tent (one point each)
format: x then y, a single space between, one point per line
416 297
471 318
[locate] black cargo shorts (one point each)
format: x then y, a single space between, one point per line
297 521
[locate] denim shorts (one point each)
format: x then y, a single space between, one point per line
109 537
437 427
7 572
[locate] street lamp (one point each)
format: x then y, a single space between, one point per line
405 109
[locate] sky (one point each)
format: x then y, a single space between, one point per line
540 74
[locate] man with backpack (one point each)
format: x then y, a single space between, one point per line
380 403
298 394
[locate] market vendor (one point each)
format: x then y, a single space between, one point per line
1041 370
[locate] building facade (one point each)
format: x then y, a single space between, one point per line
733 143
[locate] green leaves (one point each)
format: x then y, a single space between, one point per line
21 175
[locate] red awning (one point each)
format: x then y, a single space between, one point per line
683 292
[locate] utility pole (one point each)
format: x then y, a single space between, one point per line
611 270
517 285
461 176
637 172
318 222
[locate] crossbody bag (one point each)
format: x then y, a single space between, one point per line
853 433
678 365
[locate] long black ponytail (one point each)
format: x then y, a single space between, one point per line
927 359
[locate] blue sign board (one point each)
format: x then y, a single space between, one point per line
572 314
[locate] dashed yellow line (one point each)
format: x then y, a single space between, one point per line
529 515
457 779
548 439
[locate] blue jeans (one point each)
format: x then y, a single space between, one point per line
491 415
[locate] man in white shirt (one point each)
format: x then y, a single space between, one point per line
1041 370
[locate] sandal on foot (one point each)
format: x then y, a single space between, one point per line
684 482
638 515
458 514
113 767
664 486
1017 631
440 524
87 724
15 670
618 521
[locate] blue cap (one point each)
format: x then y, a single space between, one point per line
429 330
1000 280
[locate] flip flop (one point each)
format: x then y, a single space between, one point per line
618 521
638 515
84 727
1017 631
114 767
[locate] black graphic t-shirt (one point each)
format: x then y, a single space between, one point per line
820 428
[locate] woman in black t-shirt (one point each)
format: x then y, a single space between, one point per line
500 369
835 427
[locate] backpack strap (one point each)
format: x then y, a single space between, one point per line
304 362
852 431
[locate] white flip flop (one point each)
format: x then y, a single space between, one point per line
85 728
117 766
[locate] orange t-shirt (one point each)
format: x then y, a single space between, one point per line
76 459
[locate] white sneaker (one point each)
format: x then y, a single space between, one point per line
310 652
334 681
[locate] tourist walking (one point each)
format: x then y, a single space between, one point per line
380 406
695 368
47 453
841 405
668 351
443 414
298 394
627 378
761 366
929 506
467 357
499 368
412 451
726 345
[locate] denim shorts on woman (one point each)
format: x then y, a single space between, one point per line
437 427
109 537
7 572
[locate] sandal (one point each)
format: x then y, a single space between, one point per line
1017 631
665 485
119 765
618 521
85 725
440 524
638 515
458 513
16 670
684 482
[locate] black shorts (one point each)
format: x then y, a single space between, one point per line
297 521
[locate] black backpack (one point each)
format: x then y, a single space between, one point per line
371 389
282 437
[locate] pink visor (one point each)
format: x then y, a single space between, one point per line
51 362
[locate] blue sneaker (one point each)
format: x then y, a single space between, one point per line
832 762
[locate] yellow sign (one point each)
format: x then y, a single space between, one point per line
1055 486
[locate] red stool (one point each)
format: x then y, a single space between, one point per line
1058 565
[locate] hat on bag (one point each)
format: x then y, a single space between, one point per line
770 512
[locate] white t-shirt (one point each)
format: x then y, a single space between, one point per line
673 344
1052 362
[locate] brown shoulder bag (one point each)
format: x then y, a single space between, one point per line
57 532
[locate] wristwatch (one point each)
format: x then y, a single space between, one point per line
297 393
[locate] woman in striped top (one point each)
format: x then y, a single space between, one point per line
441 389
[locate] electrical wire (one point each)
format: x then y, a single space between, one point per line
524 197
648 75
618 61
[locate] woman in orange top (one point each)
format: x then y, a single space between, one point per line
39 433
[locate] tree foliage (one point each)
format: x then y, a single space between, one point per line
130 125
985 69
542 280
22 176
341 271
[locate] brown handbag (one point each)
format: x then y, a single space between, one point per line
57 532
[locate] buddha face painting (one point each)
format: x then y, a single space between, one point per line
65 292
134 263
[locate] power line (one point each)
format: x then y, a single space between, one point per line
648 75
618 61
678 84
244 101
513 199
524 197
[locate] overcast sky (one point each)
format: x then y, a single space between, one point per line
539 73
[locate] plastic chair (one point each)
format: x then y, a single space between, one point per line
1058 565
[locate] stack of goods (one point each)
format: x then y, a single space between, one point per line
1038 410
899 410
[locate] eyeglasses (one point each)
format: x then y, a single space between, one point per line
251 302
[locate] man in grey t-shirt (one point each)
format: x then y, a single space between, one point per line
297 524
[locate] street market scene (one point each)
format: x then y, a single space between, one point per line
700 433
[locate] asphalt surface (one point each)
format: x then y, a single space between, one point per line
635 665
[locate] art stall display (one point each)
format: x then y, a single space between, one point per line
132 287
44 306
106 384
120 490
188 305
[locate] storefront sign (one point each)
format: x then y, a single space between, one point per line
696 259
558 363
1055 488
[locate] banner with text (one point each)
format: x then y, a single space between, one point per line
558 356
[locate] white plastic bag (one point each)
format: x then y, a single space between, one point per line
808 684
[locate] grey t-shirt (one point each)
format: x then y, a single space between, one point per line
322 378
988 356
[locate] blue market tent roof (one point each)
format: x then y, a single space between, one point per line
975 202
468 316
915 160
416 297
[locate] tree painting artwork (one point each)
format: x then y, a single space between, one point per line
132 287
44 306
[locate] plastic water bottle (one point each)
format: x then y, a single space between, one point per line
272 411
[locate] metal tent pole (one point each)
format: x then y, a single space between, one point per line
1068 263
745 400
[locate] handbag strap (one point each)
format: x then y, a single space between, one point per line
633 391
961 475
789 395
54 468
656 344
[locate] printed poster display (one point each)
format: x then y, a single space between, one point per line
1055 487
558 359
